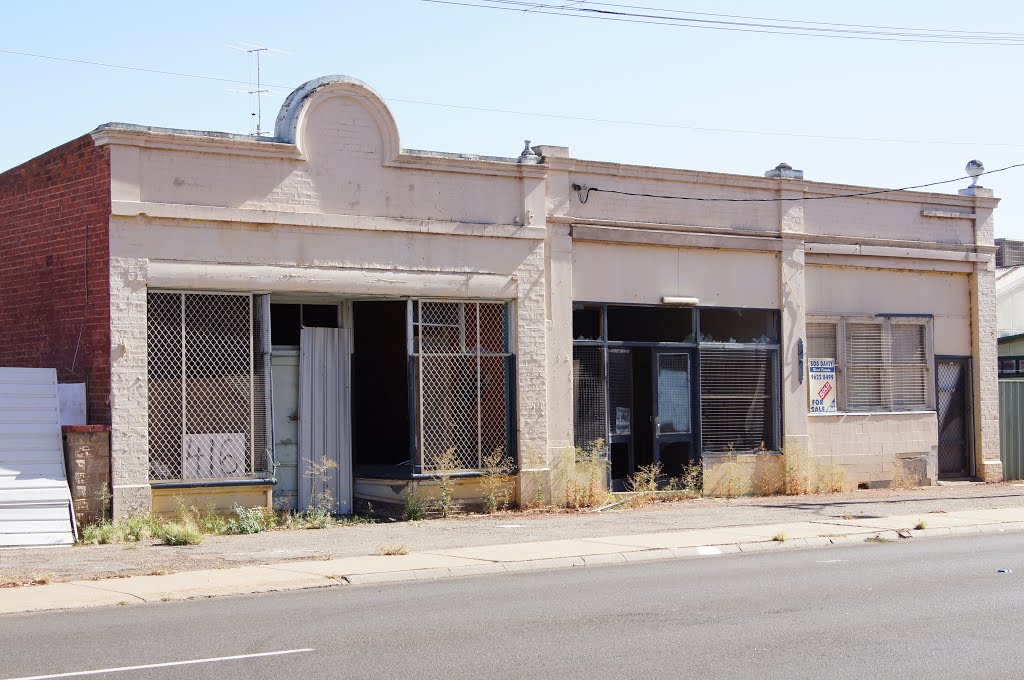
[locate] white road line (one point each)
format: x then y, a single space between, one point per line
161 665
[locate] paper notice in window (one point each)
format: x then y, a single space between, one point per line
822 385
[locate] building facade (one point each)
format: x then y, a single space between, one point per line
270 319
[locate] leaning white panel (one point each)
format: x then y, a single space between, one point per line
35 501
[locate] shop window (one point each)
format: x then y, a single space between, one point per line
882 364
286 321
587 323
738 398
649 324
206 379
756 326
463 376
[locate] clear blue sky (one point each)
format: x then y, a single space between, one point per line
946 94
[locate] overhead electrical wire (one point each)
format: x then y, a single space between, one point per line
535 114
937 31
584 12
583 191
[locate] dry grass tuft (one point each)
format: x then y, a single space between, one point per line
392 550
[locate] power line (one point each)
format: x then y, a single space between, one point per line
742 27
537 114
583 191
951 32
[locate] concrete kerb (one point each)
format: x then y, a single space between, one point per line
377 570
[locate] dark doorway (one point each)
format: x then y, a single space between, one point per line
952 392
650 411
380 388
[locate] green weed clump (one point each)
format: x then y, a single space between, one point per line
414 508
127 530
589 493
250 521
496 481
184 532
644 482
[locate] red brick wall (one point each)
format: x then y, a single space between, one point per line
54 209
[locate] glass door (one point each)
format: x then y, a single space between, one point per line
673 412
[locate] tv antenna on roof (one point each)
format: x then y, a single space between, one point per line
256 88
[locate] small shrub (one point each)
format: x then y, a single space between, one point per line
181 533
100 533
445 466
414 508
830 479
921 525
644 482
495 481
594 464
250 521
127 530
392 550
779 537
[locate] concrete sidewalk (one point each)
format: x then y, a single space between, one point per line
502 558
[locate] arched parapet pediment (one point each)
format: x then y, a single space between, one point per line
332 95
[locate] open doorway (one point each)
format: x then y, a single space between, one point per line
380 388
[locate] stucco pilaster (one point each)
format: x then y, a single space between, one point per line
129 442
988 465
794 322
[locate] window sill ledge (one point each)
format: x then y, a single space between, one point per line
870 413
212 483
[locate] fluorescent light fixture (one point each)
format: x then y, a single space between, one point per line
685 301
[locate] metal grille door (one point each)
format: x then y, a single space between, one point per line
203 399
463 374
954 426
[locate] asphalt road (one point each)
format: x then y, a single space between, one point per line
920 608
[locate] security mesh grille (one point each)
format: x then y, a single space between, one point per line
952 416
620 391
590 397
463 373
886 366
738 394
203 397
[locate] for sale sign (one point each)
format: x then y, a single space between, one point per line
822 383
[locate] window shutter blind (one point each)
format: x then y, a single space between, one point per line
736 409
866 360
909 367
821 341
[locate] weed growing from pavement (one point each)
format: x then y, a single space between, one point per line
779 537
250 520
184 532
496 481
414 508
643 483
921 525
879 539
592 463
445 466
392 550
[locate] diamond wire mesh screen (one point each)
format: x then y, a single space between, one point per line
203 398
589 397
738 394
463 378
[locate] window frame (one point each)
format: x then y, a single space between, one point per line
886 322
